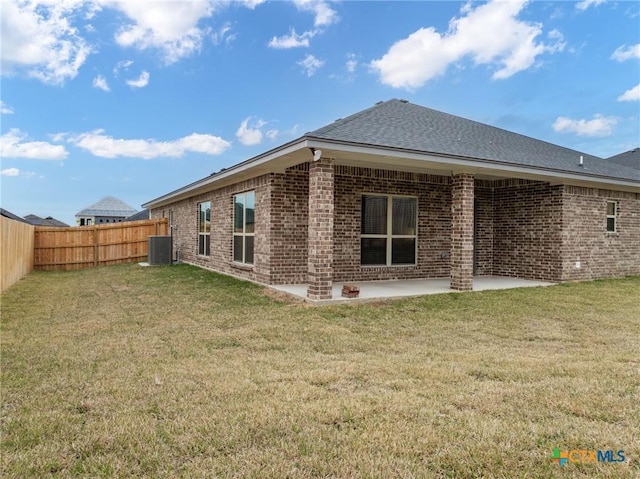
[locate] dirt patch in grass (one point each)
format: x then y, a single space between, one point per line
180 372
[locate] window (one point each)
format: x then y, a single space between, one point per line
612 210
388 230
243 227
204 228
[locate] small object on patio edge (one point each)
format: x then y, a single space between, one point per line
350 291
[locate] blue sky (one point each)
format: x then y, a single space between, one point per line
135 99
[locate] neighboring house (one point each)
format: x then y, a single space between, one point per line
48 221
399 191
629 158
11 216
107 210
139 216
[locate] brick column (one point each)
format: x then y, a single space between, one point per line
462 232
320 256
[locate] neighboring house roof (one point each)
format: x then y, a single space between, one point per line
48 221
108 206
629 158
139 216
11 216
396 134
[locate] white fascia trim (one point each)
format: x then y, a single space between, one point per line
463 163
452 162
232 170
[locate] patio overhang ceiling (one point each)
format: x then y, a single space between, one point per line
371 156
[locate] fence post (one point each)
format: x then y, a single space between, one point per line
95 246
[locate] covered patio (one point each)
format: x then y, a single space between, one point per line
394 289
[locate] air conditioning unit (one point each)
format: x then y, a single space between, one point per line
159 250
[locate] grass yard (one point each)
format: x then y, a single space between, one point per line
179 372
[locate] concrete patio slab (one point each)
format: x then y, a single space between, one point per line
377 290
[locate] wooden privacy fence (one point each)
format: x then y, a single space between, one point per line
88 246
16 251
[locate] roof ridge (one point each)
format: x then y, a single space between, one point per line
109 203
354 116
398 123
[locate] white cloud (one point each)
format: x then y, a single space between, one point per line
632 94
272 134
10 172
171 27
13 146
250 135
5 109
324 14
490 34
92 9
352 63
122 65
598 127
223 35
38 38
141 82
99 144
292 40
584 4
58 137
251 4
624 52
101 82
310 65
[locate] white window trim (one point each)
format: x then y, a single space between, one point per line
390 236
614 216
207 253
244 234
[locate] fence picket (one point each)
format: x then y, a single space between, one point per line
87 246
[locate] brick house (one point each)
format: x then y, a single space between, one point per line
399 191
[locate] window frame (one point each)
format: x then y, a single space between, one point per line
613 216
206 234
389 236
244 235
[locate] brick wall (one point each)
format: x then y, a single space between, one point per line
585 238
527 230
289 226
185 236
523 228
483 228
434 222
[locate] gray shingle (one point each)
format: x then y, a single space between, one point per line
11 216
48 221
402 125
629 158
139 216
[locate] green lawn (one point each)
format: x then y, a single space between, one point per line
179 372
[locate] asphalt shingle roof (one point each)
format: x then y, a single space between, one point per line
108 206
402 125
628 158
48 221
11 216
139 216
